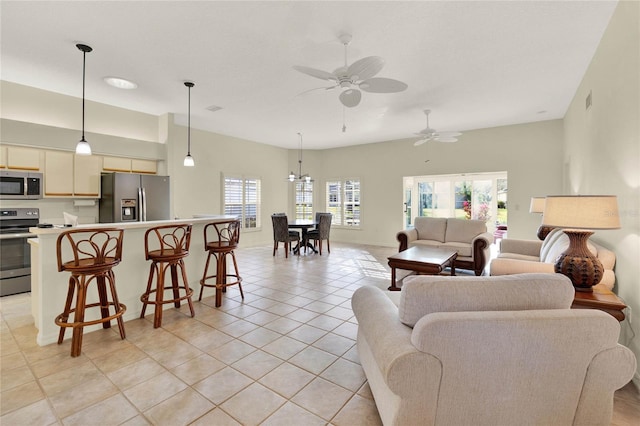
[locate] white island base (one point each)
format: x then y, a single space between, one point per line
49 287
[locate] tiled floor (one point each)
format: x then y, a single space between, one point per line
284 356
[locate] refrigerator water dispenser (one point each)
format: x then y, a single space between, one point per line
129 207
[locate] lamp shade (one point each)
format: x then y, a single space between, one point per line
581 212
537 205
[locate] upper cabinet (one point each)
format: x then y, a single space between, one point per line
70 175
86 175
58 174
19 158
3 157
144 166
116 164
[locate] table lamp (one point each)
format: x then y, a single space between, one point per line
537 206
580 215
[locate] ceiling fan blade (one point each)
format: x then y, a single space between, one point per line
421 141
350 98
448 134
382 85
314 89
445 139
365 68
323 75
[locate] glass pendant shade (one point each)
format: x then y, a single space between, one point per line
83 147
188 161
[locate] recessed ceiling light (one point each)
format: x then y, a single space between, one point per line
214 108
120 83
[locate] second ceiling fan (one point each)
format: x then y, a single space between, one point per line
429 134
355 77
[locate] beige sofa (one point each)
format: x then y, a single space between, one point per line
520 256
489 351
468 237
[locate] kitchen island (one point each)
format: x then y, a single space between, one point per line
49 287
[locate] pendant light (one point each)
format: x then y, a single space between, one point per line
83 147
292 177
188 160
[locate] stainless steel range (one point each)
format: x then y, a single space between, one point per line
15 253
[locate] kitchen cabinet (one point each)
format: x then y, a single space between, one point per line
3 157
58 174
144 166
128 165
86 175
19 158
116 164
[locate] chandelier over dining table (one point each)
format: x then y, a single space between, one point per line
292 176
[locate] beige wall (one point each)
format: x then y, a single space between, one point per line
602 150
531 154
24 103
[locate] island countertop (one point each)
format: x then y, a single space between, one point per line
201 218
49 287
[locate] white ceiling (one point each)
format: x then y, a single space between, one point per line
475 64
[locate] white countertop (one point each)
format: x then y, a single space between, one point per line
200 218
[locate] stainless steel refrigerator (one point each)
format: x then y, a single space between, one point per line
131 197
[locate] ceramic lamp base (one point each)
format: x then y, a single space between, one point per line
578 263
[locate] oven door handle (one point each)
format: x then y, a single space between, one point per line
16 236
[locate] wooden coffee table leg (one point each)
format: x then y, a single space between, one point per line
453 268
393 280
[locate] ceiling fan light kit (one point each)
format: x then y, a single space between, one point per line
356 77
83 147
188 160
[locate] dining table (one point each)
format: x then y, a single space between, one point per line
304 225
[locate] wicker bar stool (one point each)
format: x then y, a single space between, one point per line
94 253
166 246
220 240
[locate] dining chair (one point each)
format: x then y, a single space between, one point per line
281 233
322 231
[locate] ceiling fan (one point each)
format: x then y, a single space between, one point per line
430 134
355 77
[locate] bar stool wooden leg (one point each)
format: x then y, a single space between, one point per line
235 267
64 317
186 287
204 276
145 296
104 302
78 317
116 302
219 279
174 284
157 314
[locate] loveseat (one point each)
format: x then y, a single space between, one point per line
521 256
468 237
489 351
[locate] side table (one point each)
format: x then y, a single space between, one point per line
602 298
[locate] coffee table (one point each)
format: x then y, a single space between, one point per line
425 260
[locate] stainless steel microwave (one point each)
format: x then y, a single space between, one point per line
20 185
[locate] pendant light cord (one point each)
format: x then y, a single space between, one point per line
84 64
189 124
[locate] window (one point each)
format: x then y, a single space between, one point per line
480 196
304 200
242 198
343 201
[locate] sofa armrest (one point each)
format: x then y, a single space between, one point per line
405 237
504 266
526 247
399 362
596 383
